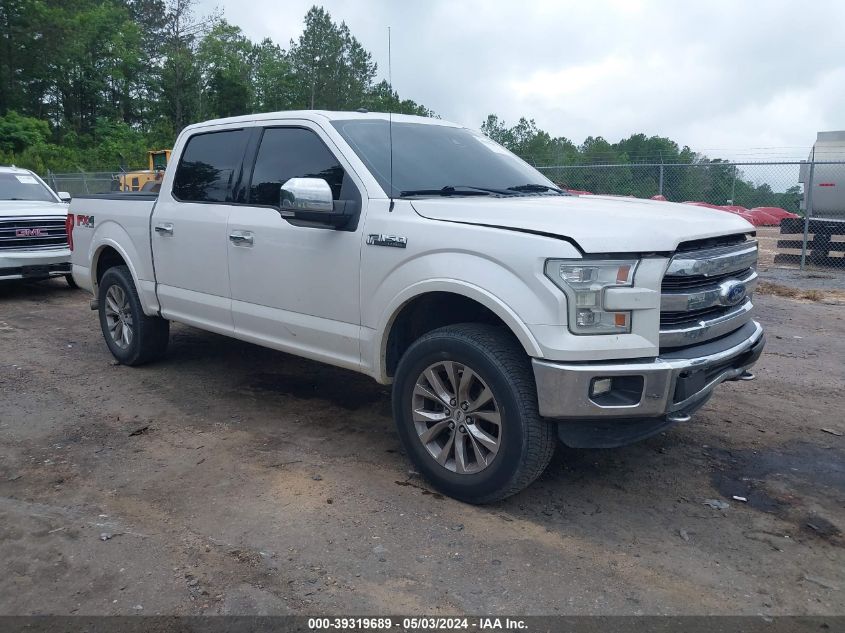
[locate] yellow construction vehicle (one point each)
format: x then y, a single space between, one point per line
145 179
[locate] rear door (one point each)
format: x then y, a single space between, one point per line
189 231
295 286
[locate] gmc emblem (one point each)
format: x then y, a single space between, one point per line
30 232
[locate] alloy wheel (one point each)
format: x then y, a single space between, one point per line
119 317
456 417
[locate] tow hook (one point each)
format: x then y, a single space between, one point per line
678 417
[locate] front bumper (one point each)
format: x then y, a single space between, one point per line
666 388
35 264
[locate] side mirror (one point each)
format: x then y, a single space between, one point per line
64 196
311 195
310 199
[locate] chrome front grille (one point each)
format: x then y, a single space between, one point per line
674 319
707 293
697 281
33 233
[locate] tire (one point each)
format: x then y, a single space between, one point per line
71 282
120 310
494 461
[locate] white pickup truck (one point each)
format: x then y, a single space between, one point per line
33 228
505 312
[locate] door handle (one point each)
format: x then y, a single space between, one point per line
165 228
241 238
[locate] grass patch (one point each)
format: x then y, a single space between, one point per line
779 290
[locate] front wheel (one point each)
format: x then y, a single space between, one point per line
465 406
132 337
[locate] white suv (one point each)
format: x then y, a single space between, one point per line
33 228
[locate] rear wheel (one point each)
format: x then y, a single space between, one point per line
132 337
465 405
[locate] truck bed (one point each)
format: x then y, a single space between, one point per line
121 223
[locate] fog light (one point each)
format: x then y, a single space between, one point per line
617 391
600 386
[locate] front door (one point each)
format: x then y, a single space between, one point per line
296 287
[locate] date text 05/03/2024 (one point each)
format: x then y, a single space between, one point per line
418 623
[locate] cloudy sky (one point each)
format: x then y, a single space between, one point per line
738 79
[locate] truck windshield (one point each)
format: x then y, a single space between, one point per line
23 186
431 159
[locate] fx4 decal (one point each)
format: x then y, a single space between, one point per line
85 220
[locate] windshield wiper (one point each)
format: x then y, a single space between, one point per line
456 190
531 187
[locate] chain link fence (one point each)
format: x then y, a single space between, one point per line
82 183
798 207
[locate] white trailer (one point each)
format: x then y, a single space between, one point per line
828 184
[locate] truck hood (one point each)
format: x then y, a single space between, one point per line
31 208
597 224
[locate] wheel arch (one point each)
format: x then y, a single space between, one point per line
441 302
107 256
109 250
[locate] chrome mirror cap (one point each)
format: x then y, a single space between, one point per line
306 194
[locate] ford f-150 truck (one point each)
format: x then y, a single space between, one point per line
505 312
33 228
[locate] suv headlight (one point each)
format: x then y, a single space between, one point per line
584 282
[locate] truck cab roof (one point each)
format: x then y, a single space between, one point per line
321 115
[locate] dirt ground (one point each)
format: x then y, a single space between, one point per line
233 479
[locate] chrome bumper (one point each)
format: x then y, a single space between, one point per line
34 264
669 386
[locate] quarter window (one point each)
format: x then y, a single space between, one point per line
209 165
294 153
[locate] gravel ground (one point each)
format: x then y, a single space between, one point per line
233 479
813 278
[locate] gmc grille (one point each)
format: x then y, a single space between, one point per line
33 233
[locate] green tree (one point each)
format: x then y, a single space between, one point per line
18 62
529 142
150 16
380 98
92 50
180 75
225 60
273 82
332 70
93 84
19 132
496 129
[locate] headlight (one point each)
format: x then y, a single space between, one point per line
584 282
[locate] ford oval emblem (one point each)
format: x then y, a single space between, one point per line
732 292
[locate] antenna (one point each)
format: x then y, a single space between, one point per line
390 118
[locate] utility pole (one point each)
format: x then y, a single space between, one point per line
660 185
808 208
733 188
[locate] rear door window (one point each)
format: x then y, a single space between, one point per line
209 165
